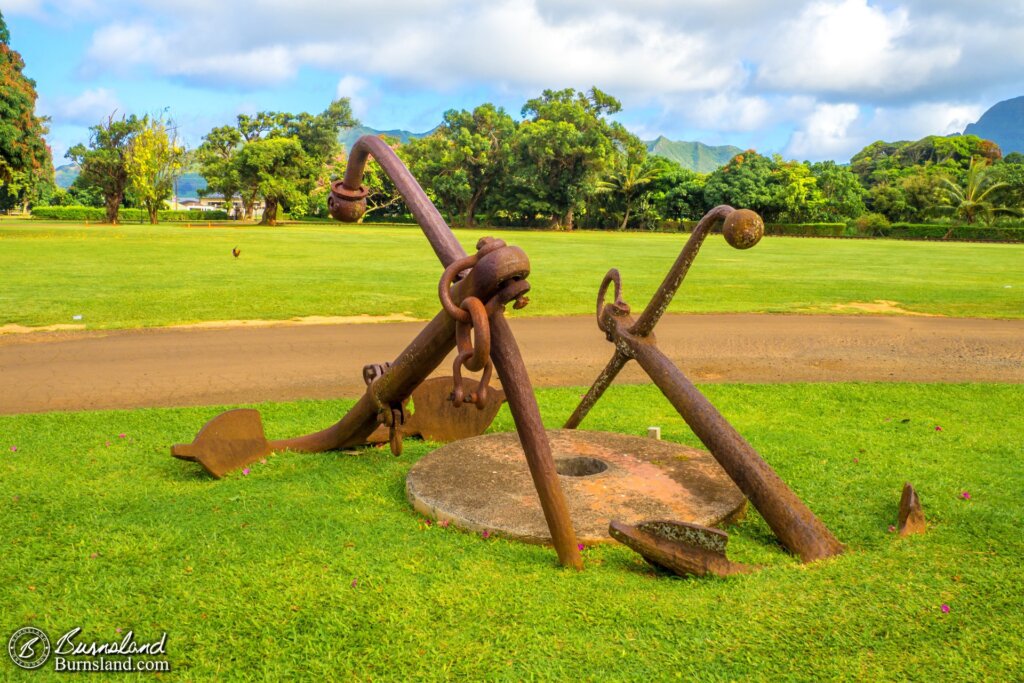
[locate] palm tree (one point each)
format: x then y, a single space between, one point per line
972 201
629 182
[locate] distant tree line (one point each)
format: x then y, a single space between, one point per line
564 164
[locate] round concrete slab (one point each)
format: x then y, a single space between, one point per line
484 483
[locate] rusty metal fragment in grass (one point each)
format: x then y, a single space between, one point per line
684 549
793 522
911 516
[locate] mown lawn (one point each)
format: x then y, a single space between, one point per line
142 276
315 565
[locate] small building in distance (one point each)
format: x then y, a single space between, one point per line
216 202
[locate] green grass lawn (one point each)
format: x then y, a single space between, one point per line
143 276
315 566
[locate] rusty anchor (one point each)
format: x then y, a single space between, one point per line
474 291
796 527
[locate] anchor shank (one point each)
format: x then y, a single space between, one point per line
412 366
793 522
508 361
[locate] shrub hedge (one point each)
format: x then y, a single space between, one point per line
92 213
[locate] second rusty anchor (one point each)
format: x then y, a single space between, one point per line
796 527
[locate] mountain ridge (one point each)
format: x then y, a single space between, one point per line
696 156
1003 124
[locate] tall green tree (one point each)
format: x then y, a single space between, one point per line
744 183
563 149
155 159
216 158
973 200
678 193
290 159
842 194
629 183
273 167
104 161
26 167
795 196
463 161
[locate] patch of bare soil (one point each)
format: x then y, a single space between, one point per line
880 306
86 370
306 320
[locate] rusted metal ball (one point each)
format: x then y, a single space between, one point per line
743 229
347 205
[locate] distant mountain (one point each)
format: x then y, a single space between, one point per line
695 156
1003 124
189 184
65 175
349 136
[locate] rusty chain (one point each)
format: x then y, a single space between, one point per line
392 415
472 327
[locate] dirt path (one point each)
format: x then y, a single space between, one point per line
175 367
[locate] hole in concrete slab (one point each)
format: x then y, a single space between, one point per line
580 467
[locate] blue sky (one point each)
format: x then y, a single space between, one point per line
810 80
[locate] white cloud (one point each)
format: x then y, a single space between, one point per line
119 47
731 112
852 47
85 109
928 118
838 131
754 72
825 133
29 7
359 91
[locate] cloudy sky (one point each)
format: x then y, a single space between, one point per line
808 79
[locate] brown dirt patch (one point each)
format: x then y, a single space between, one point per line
12 328
880 306
84 370
306 320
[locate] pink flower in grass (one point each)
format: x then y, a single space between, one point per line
443 523
14 449
944 608
938 428
580 547
122 435
485 534
245 472
892 528
965 495
355 583
118 629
